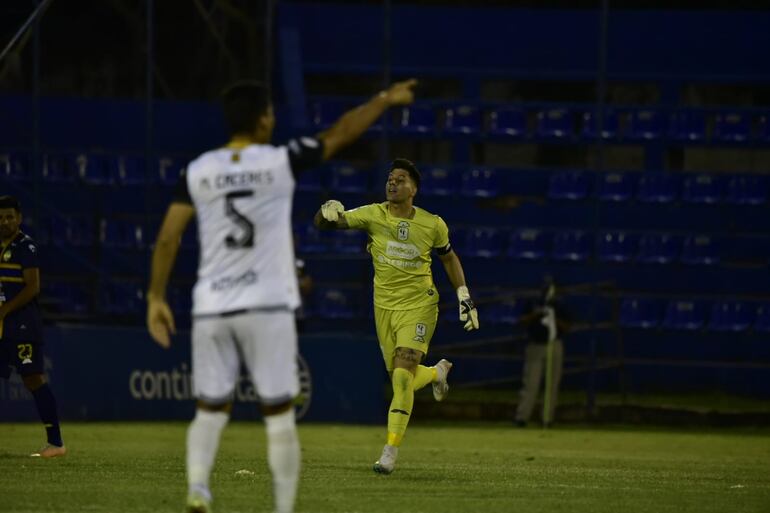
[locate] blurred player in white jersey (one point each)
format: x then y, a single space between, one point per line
246 293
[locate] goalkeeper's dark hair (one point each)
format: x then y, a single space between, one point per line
10 202
243 103
409 167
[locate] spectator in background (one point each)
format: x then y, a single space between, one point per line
546 325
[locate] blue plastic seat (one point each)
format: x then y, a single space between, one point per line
616 186
130 170
15 166
480 182
569 185
706 189
335 303
731 316
762 319
462 120
747 190
658 248
640 313
75 231
121 298
509 123
348 241
484 242
574 246
418 120
59 168
508 312
645 125
700 249
610 127
311 180
732 127
658 187
439 181
687 126
94 169
528 244
617 246
67 297
326 112
310 239
346 178
119 233
685 315
169 170
554 124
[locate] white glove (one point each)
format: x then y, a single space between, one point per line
331 210
469 316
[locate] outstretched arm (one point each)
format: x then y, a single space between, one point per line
353 123
160 320
331 216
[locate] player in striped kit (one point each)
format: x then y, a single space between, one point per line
246 293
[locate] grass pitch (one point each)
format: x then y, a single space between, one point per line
442 468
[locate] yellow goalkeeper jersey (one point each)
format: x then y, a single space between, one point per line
400 250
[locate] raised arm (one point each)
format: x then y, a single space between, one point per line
354 122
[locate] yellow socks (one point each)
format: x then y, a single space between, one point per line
401 405
424 376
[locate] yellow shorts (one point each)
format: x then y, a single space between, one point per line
404 328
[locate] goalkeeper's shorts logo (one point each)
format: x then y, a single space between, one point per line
419 332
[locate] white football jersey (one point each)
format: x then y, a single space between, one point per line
243 203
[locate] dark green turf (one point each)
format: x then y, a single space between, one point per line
448 468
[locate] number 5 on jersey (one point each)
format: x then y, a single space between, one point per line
246 240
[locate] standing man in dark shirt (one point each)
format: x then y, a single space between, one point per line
21 341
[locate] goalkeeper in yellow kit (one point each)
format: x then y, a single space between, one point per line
401 239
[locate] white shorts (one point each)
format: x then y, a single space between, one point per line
264 341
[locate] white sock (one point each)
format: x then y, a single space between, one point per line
202 444
283 456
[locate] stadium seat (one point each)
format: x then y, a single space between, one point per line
480 182
348 241
762 320
75 231
310 239
658 248
439 181
640 313
94 169
700 249
59 168
40 232
346 178
169 170
311 181
130 170
610 127
574 246
616 186
658 187
326 112
121 298
731 316
180 300
484 242
763 128
706 189
507 123
687 126
528 244
645 125
747 190
462 120
15 167
334 303
554 124
119 233
685 315
617 246
732 127
418 120
507 312
66 297
569 185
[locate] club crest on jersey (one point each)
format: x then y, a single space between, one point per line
403 230
7 256
419 332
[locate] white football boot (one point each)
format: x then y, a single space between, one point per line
387 461
441 387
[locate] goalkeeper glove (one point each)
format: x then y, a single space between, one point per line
331 210
469 316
